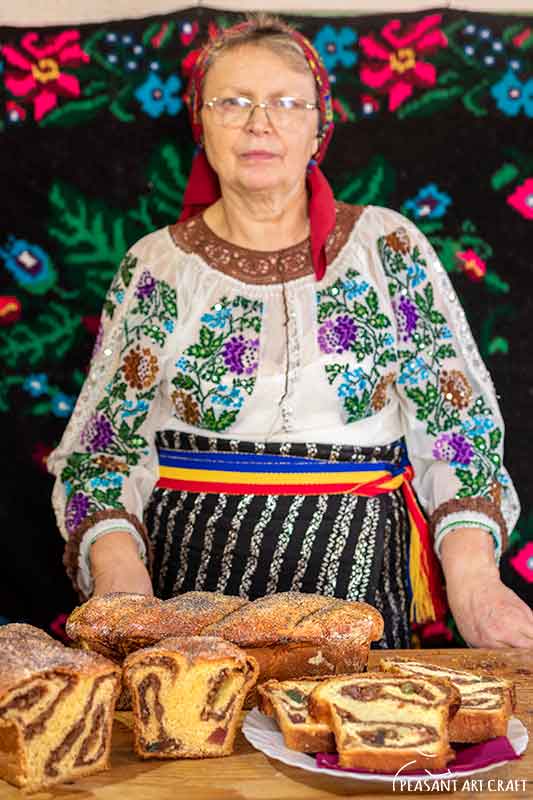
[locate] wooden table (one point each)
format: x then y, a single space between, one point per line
249 775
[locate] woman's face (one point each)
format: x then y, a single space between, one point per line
256 156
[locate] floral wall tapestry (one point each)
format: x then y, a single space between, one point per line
433 116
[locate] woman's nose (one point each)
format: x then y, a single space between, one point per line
258 119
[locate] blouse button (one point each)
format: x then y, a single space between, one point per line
107 351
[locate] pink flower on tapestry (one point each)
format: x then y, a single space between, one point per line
396 65
522 199
523 562
37 71
472 265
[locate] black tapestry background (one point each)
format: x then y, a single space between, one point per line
433 118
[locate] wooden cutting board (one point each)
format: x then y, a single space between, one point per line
250 775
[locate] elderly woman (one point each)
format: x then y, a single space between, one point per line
278 378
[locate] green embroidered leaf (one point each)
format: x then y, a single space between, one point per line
424 401
154 333
495 438
372 301
430 102
503 176
109 308
421 302
428 291
372 186
357 407
445 351
380 321
495 283
197 351
168 296
124 431
210 421
334 370
325 310
480 443
437 318
183 381
75 112
386 357
138 422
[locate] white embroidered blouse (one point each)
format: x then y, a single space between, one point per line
203 336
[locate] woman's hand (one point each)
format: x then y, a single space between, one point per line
116 566
488 614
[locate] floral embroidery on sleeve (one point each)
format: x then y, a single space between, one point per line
465 434
112 439
216 372
351 324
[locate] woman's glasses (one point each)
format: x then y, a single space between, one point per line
283 112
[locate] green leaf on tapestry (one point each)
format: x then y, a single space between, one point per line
498 345
447 77
373 185
503 176
42 408
430 102
471 100
159 34
52 334
167 175
75 112
495 283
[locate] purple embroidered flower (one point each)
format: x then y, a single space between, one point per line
240 355
77 510
337 336
146 285
407 314
97 434
454 448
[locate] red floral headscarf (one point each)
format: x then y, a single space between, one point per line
203 188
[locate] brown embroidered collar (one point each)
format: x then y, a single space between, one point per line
259 266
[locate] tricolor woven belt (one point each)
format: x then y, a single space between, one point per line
261 474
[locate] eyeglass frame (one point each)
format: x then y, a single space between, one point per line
264 105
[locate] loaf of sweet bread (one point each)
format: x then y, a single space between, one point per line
56 709
290 634
487 702
384 723
187 695
288 703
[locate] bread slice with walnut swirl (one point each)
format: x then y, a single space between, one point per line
487 702
56 709
288 703
381 722
187 695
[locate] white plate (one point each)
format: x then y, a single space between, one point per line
263 733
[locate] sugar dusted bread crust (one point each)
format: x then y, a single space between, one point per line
289 634
287 702
382 722
187 695
487 702
56 709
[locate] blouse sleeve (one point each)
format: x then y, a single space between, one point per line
106 463
452 422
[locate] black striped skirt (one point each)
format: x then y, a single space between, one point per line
346 546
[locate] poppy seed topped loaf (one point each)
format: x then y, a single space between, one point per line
187 695
289 634
56 709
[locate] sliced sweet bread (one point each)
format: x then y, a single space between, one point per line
288 703
56 709
187 695
487 702
382 723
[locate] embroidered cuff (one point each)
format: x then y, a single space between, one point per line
469 519
84 576
469 508
71 555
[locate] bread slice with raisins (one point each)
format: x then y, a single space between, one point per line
383 722
187 694
487 702
288 702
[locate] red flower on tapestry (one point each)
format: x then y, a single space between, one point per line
522 199
10 309
37 73
472 265
397 66
187 65
523 562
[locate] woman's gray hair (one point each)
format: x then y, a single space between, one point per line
264 30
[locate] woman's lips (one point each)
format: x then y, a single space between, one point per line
259 155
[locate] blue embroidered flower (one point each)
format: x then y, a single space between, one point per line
445 332
29 264
119 296
417 274
334 46
62 404
36 385
182 364
354 379
233 399
429 203
111 481
512 96
388 340
129 409
354 289
169 325
477 426
413 371
218 319
157 96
